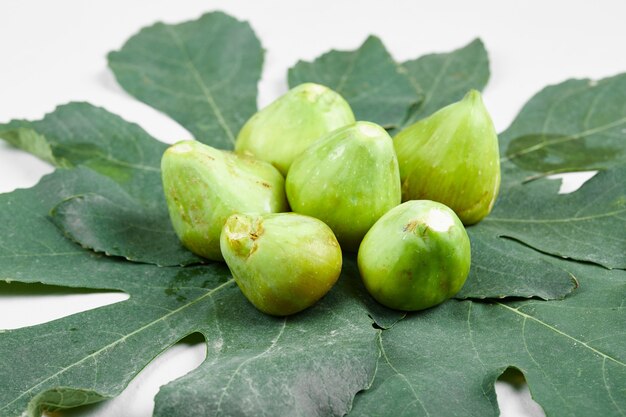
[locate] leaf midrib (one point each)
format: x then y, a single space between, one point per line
205 90
565 138
348 71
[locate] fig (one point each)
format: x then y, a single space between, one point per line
284 129
348 179
283 263
203 186
452 157
416 256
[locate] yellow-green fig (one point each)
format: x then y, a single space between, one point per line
452 157
203 186
283 263
348 179
416 256
284 129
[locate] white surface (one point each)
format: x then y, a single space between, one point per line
54 52
17 301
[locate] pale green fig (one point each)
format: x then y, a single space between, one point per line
348 179
452 157
283 263
416 256
203 186
284 129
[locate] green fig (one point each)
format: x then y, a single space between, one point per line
452 157
416 256
348 179
204 185
284 129
283 263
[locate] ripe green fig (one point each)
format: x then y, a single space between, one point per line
284 129
283 263
348 179
416 256
204 185
452 157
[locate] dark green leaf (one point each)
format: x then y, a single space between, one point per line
202 73
377 90
444 361
573 126
445 78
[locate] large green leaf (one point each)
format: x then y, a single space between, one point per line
124 214
573 126
444 361
103 349
376 88
446 77
202 73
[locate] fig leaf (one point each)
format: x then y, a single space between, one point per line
441 361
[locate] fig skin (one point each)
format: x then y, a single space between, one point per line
283 263
348 179
285 128
452 157
203 186
416 256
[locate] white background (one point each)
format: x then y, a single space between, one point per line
52 52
